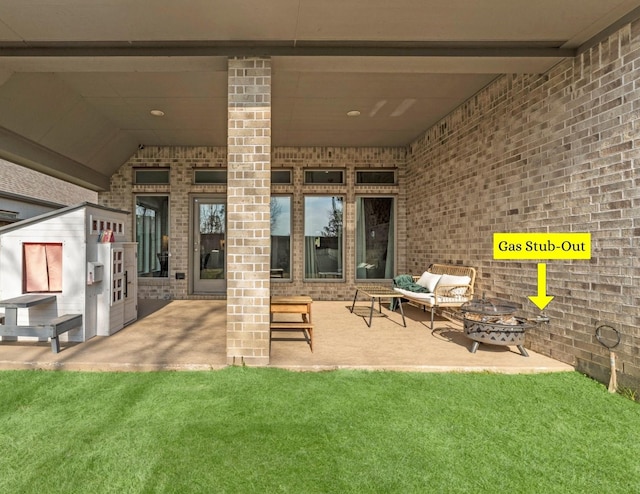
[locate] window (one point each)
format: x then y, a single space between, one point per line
117 276
42 267
281 237
365 177
151 176
324 177
152 235
210 176
375 238
99 225
323 239
281 177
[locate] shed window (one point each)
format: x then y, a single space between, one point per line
42 267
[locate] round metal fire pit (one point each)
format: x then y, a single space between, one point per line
494 323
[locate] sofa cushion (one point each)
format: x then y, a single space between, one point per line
429 280
425 298
430 299
448 279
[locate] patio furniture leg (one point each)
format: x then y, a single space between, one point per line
523 351
475 346
393 305
354 300
373 302
432 310
402 312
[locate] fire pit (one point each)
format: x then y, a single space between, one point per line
494 323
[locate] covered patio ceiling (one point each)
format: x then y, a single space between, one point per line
78 79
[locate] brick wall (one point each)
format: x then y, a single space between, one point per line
183 160
348 159
552 153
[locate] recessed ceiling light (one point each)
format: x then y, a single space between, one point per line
353 113
157 113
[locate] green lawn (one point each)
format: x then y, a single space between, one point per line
244 430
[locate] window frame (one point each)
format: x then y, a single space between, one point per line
151 170
26 269
372 171
273 274
394 216
162 241
282 170
222 171
342 239
342 172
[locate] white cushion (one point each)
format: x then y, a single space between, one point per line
448 279
429 280
429 299
425 298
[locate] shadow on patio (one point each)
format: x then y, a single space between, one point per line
191 335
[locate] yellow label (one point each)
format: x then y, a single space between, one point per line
542 246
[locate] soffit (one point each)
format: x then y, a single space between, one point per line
85 113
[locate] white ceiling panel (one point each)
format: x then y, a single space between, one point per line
78 132
116 20
30 105
79 77
456 20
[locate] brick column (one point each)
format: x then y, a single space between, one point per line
248 211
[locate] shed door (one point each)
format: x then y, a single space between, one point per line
131 283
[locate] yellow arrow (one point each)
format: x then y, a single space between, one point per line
542 299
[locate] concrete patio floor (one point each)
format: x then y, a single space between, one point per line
191 335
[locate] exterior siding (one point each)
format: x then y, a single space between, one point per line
22 181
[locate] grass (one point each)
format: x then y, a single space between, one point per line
244 430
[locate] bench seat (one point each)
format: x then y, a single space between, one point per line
52 329
305 327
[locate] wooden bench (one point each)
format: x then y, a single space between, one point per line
292 305
305 327
51 329
449 292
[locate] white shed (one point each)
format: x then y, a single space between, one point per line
80 255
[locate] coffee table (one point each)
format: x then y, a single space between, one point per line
377 292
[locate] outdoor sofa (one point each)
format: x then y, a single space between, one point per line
440 286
